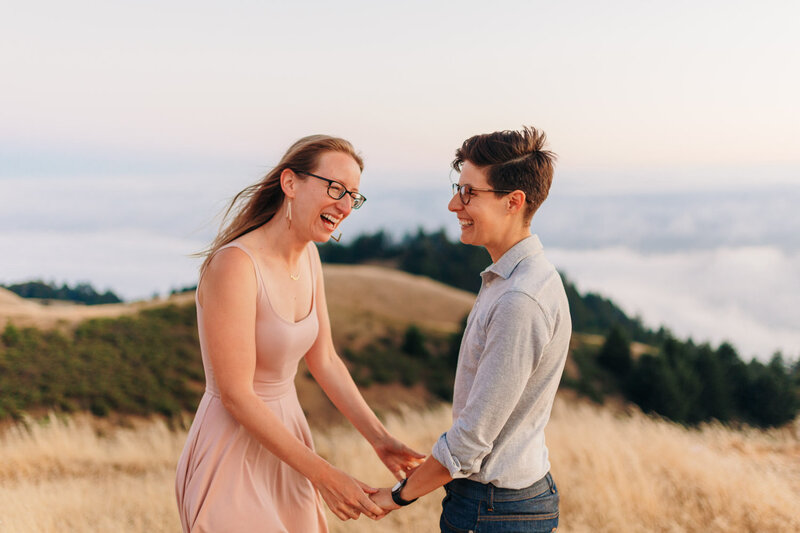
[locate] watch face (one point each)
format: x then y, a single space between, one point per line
397 486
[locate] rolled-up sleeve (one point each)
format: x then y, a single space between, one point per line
516 333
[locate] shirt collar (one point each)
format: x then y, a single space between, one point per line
509 260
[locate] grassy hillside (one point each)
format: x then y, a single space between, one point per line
394 330
144 358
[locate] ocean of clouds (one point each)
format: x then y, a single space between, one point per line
713 266
745 295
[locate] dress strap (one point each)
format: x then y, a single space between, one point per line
312 252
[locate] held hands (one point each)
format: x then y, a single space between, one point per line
383 497
398 458
401 462
346 496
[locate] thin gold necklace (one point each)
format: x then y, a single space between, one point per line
293 277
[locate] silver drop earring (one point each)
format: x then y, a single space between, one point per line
289 214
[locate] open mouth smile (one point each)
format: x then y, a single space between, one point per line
330 221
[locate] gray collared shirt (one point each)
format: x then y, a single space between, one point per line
509 367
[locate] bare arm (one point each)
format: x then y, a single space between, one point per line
228 297
332 375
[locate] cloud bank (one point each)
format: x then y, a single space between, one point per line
745 295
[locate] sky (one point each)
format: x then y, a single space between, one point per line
694 90
124 127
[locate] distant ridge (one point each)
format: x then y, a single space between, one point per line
81 292
24 312
150 357
383 294
11 303
396 295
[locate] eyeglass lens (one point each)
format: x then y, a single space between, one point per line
337 191
464 192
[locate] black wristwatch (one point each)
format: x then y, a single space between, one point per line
396 494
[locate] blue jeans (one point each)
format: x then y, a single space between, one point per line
472 507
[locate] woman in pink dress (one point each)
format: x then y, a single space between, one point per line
249 463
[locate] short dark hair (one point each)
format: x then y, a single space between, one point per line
514 160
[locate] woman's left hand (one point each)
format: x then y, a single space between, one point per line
398 458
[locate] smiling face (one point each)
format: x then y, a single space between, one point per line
489 220
314 212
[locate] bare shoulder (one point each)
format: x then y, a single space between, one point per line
230 272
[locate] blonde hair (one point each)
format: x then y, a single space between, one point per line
257 204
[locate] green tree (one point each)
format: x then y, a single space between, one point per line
414 342
735 374
770 393
615 355
654 388
715 399
82 292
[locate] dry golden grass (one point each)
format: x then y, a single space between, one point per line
62 476
635 473
616 472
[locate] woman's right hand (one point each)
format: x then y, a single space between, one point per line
346 496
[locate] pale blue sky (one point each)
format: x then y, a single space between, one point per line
124 127
694 94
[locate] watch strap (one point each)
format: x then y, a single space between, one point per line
396 494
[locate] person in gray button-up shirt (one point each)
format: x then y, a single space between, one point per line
512 353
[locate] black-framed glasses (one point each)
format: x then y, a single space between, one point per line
337 191
466 191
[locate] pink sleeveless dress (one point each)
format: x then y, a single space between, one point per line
226 480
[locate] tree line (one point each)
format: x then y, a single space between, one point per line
680 380
690 383
81 293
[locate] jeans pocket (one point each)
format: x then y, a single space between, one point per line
459 514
